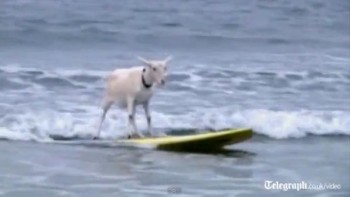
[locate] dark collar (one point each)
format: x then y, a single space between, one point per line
143 80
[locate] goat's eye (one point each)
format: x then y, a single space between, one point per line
154 69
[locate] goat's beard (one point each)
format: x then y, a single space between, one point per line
159 84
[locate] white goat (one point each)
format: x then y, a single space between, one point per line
129 87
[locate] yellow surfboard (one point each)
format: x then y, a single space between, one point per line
195 142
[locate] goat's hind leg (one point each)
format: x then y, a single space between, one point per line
105 107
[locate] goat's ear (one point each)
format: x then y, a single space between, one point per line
144 60
167 59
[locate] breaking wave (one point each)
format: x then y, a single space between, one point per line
49 126
49 111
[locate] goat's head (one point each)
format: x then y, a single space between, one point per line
157 69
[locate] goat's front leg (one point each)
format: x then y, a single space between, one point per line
148 117
131 116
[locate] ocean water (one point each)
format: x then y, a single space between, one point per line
281 68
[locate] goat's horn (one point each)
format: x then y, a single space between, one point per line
168 59
143 60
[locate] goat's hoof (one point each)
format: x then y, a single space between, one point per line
95 138
148 134
139 136
130 136
162 135
134 136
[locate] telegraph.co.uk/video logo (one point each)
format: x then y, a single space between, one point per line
275 185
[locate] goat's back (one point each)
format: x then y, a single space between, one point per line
123 82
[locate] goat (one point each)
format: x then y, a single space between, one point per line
129 87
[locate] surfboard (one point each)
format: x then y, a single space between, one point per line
197 142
